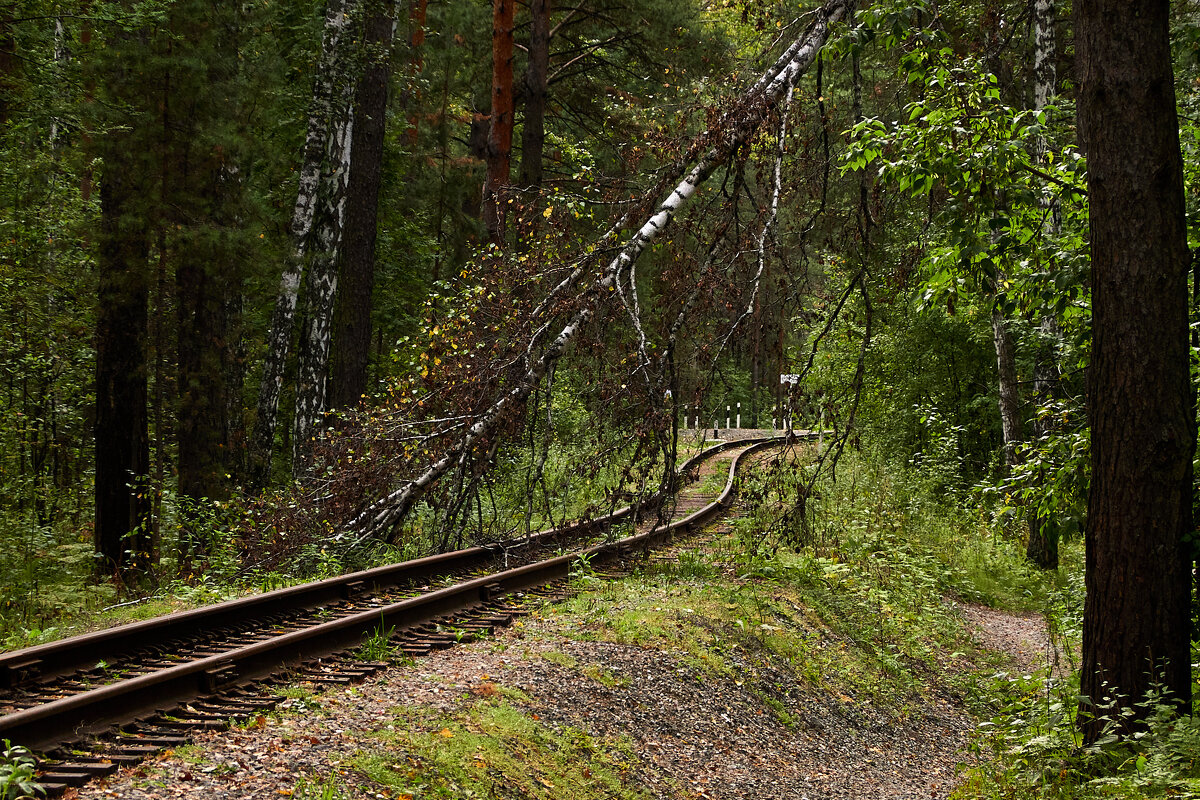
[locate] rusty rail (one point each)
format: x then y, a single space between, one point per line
74 717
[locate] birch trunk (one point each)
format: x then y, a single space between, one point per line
1010 401
8 66
732 130
320 116
321 287
1042 546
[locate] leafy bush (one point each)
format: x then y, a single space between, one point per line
17 769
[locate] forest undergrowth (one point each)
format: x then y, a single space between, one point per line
883 556
890 550
51 589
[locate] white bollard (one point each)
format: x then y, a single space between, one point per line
726 417
739 416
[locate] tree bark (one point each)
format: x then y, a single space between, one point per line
1136 628
312 369
1010 400
123 533
416 63
8 68
1042 546
498 151
352 334
533 134
321 115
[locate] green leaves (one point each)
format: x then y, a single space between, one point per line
17 773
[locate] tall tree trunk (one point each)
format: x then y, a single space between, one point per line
352 335
323 112
533 134
500 125
1042 547
1010 400
1136 626
312 369
203 214
207 283
123 533
416 63
8 67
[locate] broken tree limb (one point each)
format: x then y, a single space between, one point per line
736 127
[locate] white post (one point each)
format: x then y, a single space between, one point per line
716 432
739 416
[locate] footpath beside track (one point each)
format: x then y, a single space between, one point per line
95 702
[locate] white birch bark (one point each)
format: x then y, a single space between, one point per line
321 113
1044 79
736 127
321 286
1042 545
1010 404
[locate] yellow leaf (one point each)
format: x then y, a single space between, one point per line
447 733
549 210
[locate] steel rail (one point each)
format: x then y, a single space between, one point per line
92 712
67 656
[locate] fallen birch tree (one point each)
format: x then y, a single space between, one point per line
734 129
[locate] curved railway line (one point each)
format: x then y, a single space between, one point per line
92 703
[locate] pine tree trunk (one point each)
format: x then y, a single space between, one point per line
123 532
1042 547
416 41
533 134
500 128
1136 627
204 197
8 67
322 115
352 337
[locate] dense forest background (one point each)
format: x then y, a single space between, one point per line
291 287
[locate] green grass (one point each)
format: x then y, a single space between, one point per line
493 747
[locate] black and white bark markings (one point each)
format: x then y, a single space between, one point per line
1042 545
332 73
321 286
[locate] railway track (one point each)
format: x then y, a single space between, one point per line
90 704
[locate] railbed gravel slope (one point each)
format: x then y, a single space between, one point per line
696 736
